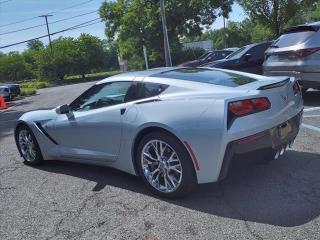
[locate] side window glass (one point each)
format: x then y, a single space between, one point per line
149 89
141 90
102 95
257 52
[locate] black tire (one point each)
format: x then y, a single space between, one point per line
38 159
188 179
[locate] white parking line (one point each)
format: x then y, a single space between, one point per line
310 127
310 116
311 109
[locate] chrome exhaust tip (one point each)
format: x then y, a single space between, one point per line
287 147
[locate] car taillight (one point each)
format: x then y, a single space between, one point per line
300 53
248 106
296 88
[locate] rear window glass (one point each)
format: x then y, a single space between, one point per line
204 75
4 90
293 38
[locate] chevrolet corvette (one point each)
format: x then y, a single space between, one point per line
174 127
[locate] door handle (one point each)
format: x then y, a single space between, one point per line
122 111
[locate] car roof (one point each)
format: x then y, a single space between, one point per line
137 75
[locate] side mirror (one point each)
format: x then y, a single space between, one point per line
247 56
64 109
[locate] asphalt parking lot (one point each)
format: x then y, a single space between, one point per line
62 200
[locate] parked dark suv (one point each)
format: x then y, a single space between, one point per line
247 59
207 57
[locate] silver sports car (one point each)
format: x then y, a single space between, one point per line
174 127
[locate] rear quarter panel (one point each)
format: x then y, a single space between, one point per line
198 121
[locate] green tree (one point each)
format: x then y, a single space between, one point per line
61 61
13 68
273 14
35 45
90 54
134 23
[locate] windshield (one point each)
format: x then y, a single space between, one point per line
238 53
203 56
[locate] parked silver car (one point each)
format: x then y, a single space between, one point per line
174 127
5 93
296 53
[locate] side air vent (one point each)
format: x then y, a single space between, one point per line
45 133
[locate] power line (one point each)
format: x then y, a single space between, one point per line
61 10
40 25
84 24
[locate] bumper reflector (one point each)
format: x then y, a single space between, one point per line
251 138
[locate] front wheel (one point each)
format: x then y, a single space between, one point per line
28 146
165 165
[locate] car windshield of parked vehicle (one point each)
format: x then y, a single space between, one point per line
101 95
294 36
204 75
204 56
216 56
238 53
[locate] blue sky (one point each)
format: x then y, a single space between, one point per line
18 10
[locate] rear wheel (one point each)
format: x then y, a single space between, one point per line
28 146
165 165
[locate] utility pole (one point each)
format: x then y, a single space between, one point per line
46 17
224 33
54 69
167 53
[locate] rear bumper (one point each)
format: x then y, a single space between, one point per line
306 79
272 139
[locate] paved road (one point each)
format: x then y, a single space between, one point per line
62 200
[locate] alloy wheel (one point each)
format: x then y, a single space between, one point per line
27 145
161 166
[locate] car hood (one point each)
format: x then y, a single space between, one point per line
39 116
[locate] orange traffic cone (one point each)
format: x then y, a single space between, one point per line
3 104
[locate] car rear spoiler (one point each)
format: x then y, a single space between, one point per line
302 28
274 85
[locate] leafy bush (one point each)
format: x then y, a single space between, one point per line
36 84
28 91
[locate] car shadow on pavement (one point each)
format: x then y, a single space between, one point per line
312 98
284 193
